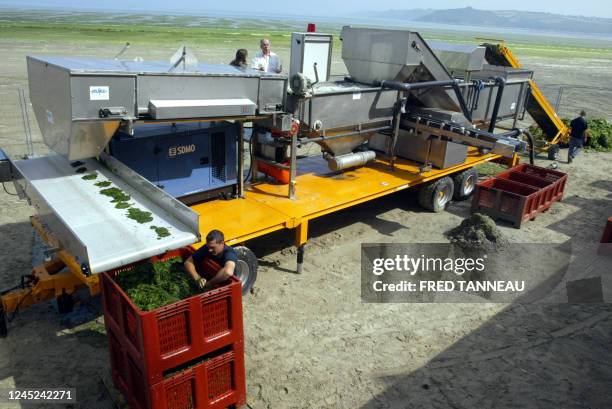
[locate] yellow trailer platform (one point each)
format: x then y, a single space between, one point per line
265 207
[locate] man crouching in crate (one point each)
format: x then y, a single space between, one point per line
213 263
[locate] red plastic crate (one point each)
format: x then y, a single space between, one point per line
552 180
217 381
519 194
533 170
157 341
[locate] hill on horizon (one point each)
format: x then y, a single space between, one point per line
468 16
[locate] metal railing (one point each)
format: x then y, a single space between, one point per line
569 100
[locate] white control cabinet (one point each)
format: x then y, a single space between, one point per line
308 49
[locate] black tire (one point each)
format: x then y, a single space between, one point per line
436 196
553 152
65 303
246 268
3 323
465 184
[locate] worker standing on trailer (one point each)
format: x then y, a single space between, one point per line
265 59
215 250
241 58
578 136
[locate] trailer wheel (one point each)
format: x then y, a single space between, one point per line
465 184
435 196
246 268
553 152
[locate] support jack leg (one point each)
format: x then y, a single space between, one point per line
300 258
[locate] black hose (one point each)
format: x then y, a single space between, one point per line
7 192
462 104
478 87
404 86
531 141
498 98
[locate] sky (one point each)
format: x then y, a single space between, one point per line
597 8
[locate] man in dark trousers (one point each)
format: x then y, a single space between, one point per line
578 136
216 250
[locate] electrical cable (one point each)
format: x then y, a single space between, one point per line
7 192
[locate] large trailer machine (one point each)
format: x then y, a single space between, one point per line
172 138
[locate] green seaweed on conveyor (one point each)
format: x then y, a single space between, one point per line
161 231
122 205
103 183
89 176
116 194
139 215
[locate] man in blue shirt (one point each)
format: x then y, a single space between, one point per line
216 250
578 136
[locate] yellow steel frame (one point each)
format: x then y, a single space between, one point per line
60 275
563 134
265 208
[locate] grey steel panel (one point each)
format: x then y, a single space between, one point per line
446 154
88 225
163 87
459 57
121 95
88 65
379 142
512 102
508 73
372 55
50 95
379 54
415 146
298 45
272 95
200 108
337 108
69 115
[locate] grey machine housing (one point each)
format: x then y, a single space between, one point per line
360 105
80 103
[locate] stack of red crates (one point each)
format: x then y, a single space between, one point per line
189 354
519 194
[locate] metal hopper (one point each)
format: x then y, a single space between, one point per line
373 55
80 102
